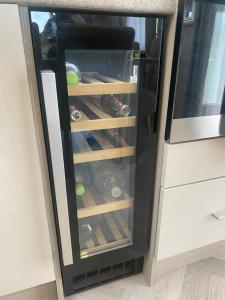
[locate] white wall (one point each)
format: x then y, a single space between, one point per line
25 255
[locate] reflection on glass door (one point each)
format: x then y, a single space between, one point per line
215 75
102 90
200 71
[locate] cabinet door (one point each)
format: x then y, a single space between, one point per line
190 217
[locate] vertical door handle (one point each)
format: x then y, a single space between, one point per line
55 141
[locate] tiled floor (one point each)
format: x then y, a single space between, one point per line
204 280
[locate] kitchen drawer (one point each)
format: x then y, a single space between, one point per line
186 222
192 162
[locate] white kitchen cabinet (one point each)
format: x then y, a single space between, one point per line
186 217
25 253
193 161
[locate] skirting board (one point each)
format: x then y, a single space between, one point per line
44 291
178 261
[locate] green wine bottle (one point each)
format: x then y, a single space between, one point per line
73 75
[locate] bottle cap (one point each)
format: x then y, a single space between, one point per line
125 110
116 192
72 77
75 115
73 74
80 189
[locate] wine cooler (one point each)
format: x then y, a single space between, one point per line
98 78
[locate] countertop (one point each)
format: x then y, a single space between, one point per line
163 7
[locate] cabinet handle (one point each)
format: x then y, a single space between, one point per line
55 141
219 215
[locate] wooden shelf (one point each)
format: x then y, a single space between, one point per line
87 124
103 154
91 250
104 208
117 235
108 150
102 121
98 84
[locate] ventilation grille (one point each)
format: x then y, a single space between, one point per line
97 276
130 266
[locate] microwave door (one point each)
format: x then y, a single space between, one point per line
196 108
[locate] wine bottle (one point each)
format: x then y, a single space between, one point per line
80 186
88 227
111 187
73 75
75 114
134 76
106 181
112 105
85 232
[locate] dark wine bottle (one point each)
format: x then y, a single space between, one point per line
112 105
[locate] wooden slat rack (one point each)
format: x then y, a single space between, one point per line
104 246
111 232
112 228
110 122
91 208
99 84
103 208
94 140
108 151
102 121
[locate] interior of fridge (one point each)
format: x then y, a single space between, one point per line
103 109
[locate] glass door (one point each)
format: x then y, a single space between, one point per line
102 90
106 71
197 104
200 78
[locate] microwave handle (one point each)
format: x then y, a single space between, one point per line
56 150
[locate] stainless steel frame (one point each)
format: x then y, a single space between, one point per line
196 128
55 140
